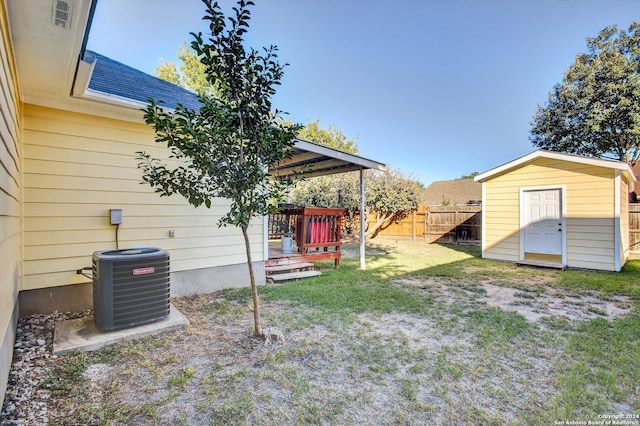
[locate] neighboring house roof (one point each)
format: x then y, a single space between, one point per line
114 78
636 170
623 167
457 191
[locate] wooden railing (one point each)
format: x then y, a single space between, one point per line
315 230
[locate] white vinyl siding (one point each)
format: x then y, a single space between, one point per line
77 167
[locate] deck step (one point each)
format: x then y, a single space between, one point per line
285 260
291 267
278 278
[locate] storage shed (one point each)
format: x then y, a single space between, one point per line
553 209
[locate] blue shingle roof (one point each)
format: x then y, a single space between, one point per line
115 78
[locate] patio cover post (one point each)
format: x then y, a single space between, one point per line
362 245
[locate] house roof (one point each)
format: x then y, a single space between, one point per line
623 167
456 191
112 79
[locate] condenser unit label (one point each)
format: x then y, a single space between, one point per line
144 271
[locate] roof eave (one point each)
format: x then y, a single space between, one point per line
341 155
624 168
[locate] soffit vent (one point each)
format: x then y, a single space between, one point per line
62 12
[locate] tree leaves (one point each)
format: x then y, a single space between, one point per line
595 111
391 194
226 146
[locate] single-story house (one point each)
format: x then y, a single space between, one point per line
70 125
452 192
557 209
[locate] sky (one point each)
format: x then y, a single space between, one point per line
435 88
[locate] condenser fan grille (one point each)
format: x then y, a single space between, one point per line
131 288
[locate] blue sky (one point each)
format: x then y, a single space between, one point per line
434 88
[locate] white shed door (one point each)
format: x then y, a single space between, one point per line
543 222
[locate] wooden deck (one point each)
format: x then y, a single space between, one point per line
316 237
282 267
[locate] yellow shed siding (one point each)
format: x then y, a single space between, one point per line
501 222
76 168
589 200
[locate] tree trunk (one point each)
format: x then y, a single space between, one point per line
380 221
257 326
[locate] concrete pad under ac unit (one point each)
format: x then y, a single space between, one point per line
81 334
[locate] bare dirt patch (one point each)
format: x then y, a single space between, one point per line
553 302
536 304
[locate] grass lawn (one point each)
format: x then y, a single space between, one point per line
413 339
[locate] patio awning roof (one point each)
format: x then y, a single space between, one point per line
312 159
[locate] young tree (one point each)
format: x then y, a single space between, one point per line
595 111
225 148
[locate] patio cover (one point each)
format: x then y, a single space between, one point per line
312 159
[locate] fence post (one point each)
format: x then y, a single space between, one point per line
413 226
455 221
427 227
425 219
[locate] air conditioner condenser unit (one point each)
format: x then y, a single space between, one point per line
130 287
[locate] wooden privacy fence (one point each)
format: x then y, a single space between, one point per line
459 224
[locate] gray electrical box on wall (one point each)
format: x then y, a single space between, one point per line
116 216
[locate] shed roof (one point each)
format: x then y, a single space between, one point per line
623 167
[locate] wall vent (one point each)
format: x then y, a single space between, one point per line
130 287
62 12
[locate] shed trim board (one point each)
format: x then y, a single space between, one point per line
623 167
616 221
483 223
524 225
